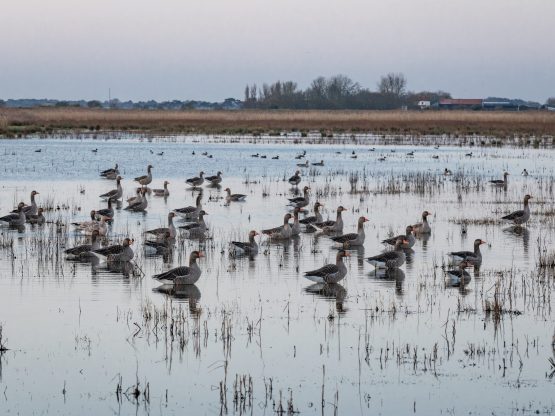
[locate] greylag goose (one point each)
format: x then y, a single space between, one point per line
331 226
29 209
136 197
316 218
521 216
160 232
423 227
320 163
215 180
139 205
182 275
472 257
330 273
301 201
190 212
116 253
162 245
296 227
352 239
303 165
15 219
282 232
500 182
90 227
409 237
196 181
106 213
295 179
162 192
110 172
234 197
84 224
248 248
145 179
195 228
114 194
390 259
459 276
37 219
84 251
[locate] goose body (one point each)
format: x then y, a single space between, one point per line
352 239
115 253
190 212
331 226
145 179
234 197
107 213
196 181
409 237
196 228
248 248
423 227
521 216
500 182
182 275
114 194
330 273
301 201
15 219
37 219
140 205
473 258
170 229
390 259
110 173
84 250
459 276
295 179
282 232
215 179
162 192
316 218
30 209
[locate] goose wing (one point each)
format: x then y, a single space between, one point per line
323 271
513 215
345 237
462 254
173 274
140 178
388 255
308 220
110 250
392 240
76 251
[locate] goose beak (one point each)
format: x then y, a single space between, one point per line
347 254
201 254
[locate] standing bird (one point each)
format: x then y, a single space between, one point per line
521 216
29 209
196 181
114 194
233 197
215 180
37 219
282 232
182 275
331 226
316 218
472 257
190 213
423 227
110 172
248 248
195 229
390 259
15 219
300 201
116 253
409 237
330 273
106 213
140 205
500 182
145 179
170 229
84 250
295 179
352 239
162 192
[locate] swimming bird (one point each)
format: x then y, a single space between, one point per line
423 227
459 275
160 232
521 216
114 194
115 253
234 197
37 219
282 232
196 181
83 251
320 163
472 257
500 182
303 165
215 179
145 179
524 173
195 229
300 201
316 218
295 179
409 237
140 205
161 245
330 273
248 248
352 239
331 226
182 275
162 192
109 172
447 172
15 219
390 259
190 212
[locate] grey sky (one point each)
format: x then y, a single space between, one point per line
209 49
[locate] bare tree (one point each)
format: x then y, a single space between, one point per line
393 83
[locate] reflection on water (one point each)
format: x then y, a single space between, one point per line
333 291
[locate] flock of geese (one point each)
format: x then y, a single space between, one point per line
161 239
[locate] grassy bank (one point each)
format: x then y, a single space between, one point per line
18 122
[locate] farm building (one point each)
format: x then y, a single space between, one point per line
460 104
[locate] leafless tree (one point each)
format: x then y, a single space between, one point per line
393 83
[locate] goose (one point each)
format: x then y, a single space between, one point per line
524 173
189 213
447 172
37 219
29 209
99 226
316 218
275 158
301 201
160 232
215 179
282 232
352 239
162 192
331 226
182 275
500 182
234 197
139 205
472 257
115 253
85 224
409 237
330 273
303 165
145 179
109 172
15 219
459 275
84 251
196 181
195 228
423 227
295 179
521 216
107 213
296 227
114 194
249 248
320 163
390 259
162 245
136 197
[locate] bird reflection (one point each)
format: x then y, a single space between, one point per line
518 232
126 268
359 252
189 293
394 275
329 291
424 238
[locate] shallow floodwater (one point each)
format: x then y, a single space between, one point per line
253 336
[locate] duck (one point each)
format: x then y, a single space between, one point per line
114 194
37 219
320 163
162 192
139 205
472 257
234 197
275 158
330 273
215 179
316 218
15 219
195 228
109 172
423 227
521 216
182 275
500 182
160 232
295 179
115 253
83 251
331 226
190 212
352 239
282 232
409 237
447 172
459 275
107 213
196 181
145 179
301 201
390 259
524 173
248 248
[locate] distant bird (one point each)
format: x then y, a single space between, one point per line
275 158
234 197
330 273
410 153
469 154
524 172
160 154
94 150
500 182
295 179
447 172
109 172
215 179
472 257
521 216
162 192
320 163
182 275
303 165
196 181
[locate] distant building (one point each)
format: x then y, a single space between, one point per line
460 103
424 105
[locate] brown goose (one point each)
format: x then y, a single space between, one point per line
182 275
423 227
331 226
390 259
352 239
521 216
472 257
408 236
330 273
281 232
301 201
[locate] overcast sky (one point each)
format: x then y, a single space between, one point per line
209 49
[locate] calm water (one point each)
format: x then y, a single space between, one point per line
397 344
